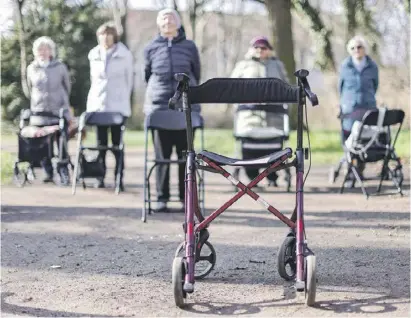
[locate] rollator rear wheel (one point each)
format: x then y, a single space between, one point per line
310 280
399 176
19 177
286 261
179 272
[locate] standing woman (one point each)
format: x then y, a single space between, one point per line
49 86
169 53
357 86
111 73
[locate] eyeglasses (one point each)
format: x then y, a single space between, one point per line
358 47
263 48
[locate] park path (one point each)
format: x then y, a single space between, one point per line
111 264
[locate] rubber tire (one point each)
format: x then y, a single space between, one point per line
281 258
180 248
310 280
178 274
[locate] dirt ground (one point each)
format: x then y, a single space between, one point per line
90 255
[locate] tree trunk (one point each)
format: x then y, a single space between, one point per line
23 55
279 12
350 8
193 12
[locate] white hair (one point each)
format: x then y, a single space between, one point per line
44 40
173 12
357 39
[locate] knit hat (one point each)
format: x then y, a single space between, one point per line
260 40
173 12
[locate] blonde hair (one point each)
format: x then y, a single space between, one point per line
357 39
44 40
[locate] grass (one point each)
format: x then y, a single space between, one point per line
7 160
325 145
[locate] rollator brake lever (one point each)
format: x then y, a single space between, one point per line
302 76
183 84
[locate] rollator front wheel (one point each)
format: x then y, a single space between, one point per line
310 280
286 262
206 258
178 274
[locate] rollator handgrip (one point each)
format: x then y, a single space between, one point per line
302 76
173 100
183 81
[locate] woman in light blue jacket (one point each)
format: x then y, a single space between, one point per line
358 84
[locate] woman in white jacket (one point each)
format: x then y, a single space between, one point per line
111 73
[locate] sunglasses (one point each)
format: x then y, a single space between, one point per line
261 47
356 47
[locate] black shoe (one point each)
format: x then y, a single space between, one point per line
100 184
121 187
48 179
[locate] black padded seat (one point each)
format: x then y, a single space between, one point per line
262 161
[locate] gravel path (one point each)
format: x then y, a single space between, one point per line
90 255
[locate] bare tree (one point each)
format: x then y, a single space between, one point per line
326 57
23 51
119 11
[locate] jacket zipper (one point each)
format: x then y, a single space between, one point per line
169 45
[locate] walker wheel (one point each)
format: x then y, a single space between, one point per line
205 258
19 177
179 272
310 280
286 261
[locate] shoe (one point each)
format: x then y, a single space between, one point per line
100 184
48 179
161 207
122 187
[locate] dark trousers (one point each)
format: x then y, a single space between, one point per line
164 141
46 162
102 140
252 154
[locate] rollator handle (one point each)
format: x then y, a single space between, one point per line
183 81
302 76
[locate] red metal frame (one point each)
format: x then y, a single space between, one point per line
245 189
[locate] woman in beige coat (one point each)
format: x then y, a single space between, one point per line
111 73
259 62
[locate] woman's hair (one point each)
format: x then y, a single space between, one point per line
109 28
357 39
44 40
172 12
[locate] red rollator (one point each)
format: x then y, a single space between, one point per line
296 262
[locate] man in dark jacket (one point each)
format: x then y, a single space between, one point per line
169 53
